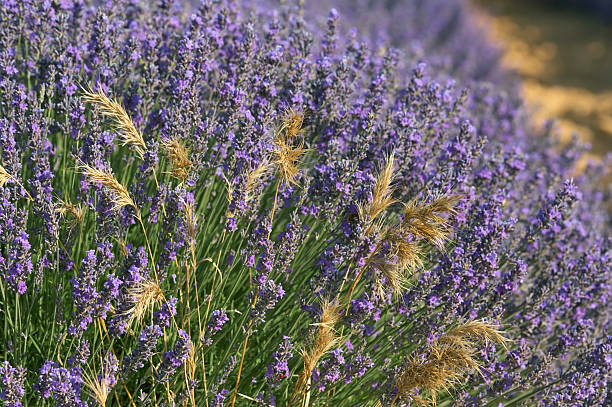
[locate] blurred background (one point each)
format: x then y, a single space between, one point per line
562 49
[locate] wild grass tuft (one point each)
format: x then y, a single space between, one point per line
116 113
446 362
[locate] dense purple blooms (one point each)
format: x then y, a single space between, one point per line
63 385
218 318
249 142
175 357
89 303
278 370
144 349
13 381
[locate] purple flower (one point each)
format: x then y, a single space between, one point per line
278 370
61 384
144 349
175 357
13 381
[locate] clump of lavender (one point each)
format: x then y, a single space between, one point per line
145 347
218 318
63 385
278 370
13 381
175 357
228 203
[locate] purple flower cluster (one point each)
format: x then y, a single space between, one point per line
144 349
13 381
175 357
278 370
218 318
62 384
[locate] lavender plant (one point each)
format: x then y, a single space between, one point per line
232 207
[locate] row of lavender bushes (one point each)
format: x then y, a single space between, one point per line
236 205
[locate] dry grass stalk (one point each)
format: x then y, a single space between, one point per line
190 371
119 193
144 295
179 157
425 220
67 208
4 176
325 340
191 223
286 154
254 179
382 195
98 385
447 362
113 110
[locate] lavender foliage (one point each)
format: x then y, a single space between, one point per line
226 249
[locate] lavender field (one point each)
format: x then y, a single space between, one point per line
297 203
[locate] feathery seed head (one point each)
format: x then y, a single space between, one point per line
191 222
114 111
4 176
292 123
99 385
67 208
425 220
179 157
382 194
325 339
446 362
144 295
286 154
119 193
255 178
393 256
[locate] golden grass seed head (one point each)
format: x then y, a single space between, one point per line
447 362
144 295
117 114
119 193
178 155
4 176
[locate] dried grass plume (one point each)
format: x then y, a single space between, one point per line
119 193
99 385
446 362
68 208
144 295
326 338
425 219
4 176
254 179
287 154
113 110
179 157
382 195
